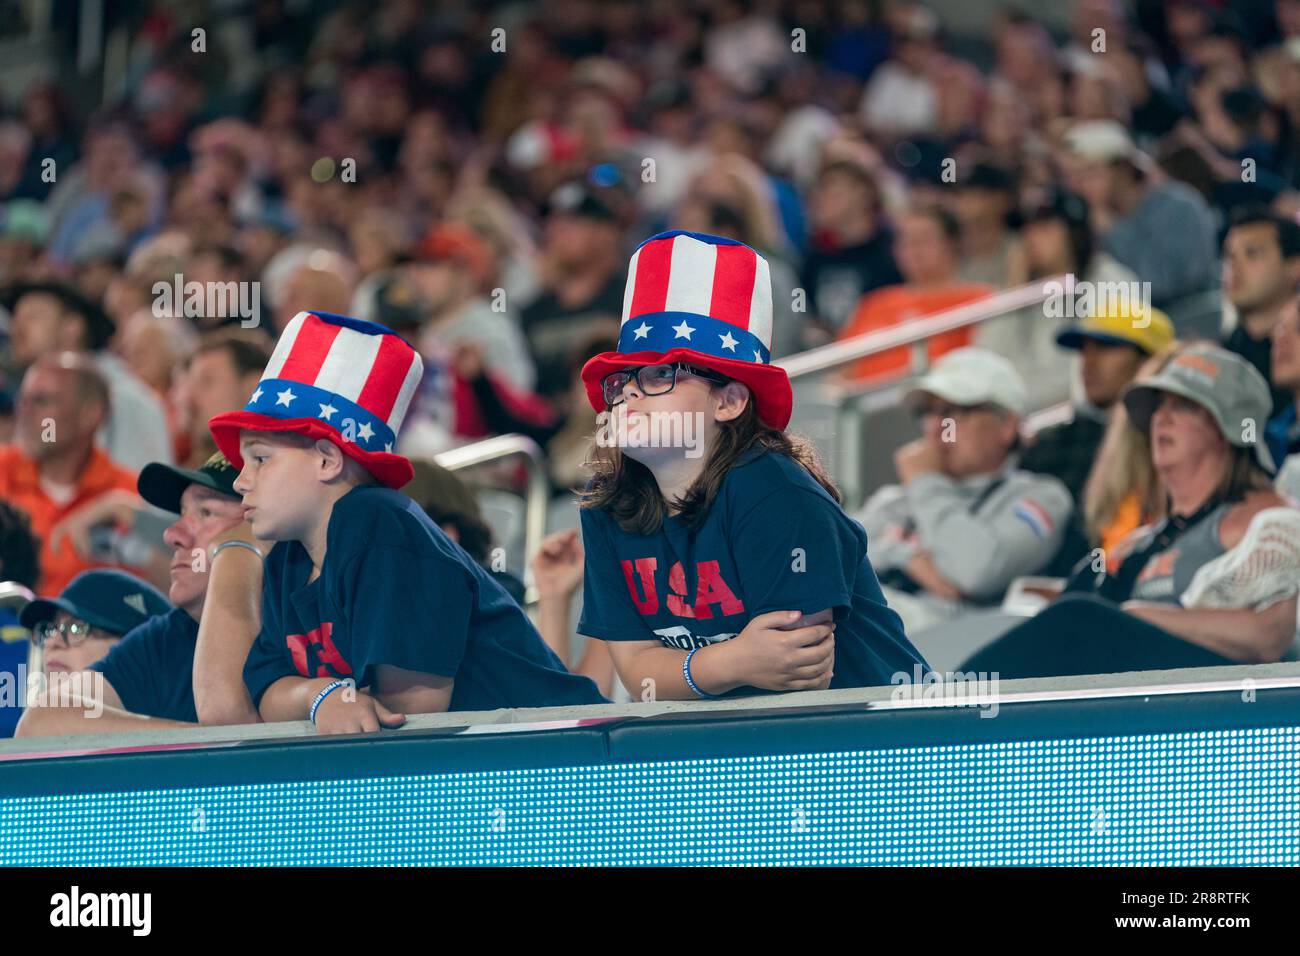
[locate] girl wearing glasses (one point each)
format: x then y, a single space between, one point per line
718 558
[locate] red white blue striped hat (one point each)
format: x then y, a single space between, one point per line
700 299
337 378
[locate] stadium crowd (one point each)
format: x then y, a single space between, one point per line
475 177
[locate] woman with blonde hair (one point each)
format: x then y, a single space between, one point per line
1123 491
1215 581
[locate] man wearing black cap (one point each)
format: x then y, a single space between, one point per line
51 317
171 671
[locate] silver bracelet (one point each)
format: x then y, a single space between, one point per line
235 544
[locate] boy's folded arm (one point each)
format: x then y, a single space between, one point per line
289 698
232 617
412 692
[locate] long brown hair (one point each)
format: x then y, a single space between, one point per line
627 489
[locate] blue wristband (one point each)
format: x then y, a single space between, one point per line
325 692
690 681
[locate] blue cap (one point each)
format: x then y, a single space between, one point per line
108 599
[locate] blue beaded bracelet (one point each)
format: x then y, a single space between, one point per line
690 681
325 692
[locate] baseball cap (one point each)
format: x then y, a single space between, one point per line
1146 327
105 598
453 241
1222 382
573 200
1103 141
162 485
973 376
398 304
99 327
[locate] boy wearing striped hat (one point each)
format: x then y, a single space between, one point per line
369 610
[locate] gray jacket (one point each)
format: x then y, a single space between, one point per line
982 532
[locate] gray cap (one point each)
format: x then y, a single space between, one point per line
1224 383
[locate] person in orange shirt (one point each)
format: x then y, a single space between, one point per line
53 466
926 248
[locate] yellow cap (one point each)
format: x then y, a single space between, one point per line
1144 326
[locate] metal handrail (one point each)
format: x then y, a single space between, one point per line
536 499
918 331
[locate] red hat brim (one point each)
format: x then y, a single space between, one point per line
769 384
388 469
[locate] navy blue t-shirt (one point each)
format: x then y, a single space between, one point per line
395 590
152 667
14 644
773 540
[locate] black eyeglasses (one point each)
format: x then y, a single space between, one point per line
74 633
653 379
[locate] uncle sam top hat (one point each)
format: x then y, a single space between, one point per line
336 378
704 300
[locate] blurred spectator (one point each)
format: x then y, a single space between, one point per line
46 119
965 519
927 249
1057 239
581 281
1213 583
1283 431
850 249
1123 492
901 97
1057 245
566 432
23 230
222 374
1161 230
54 467
1261 270
1112 345
986 200
558 568
322 282
80 205
451 503
49 317
454 275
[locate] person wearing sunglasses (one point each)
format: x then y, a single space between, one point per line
88 618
